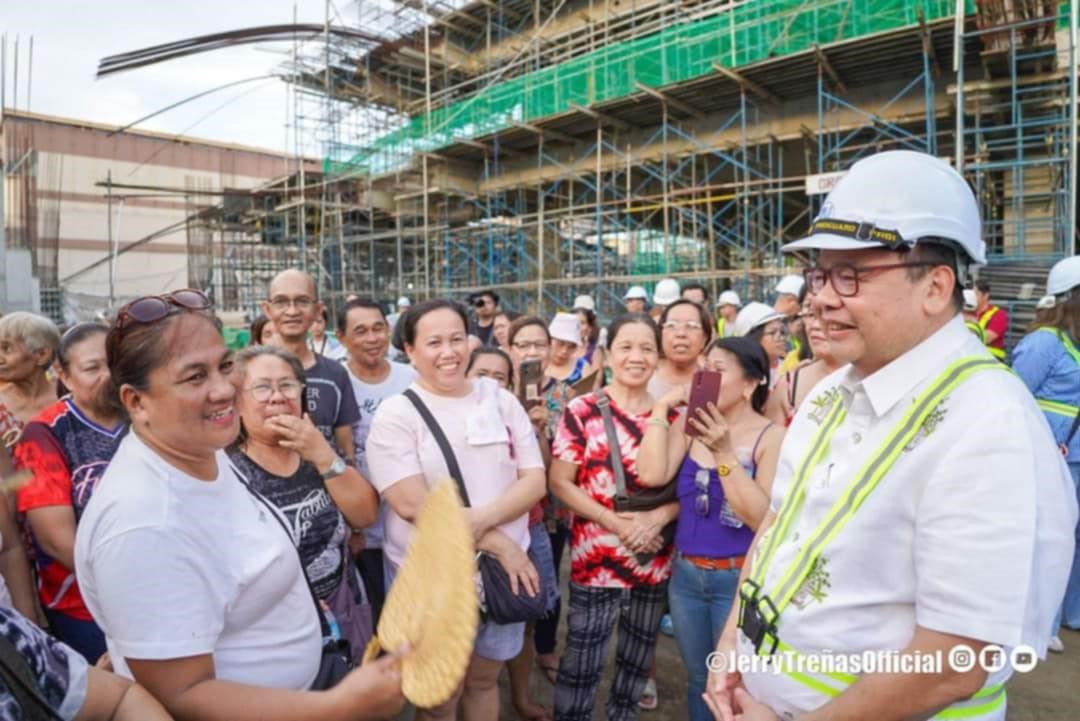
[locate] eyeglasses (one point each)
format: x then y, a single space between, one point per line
152 308
525 346
780 332
701 483
845 277
303 303
262 392
680 324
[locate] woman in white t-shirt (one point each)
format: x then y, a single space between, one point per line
500 460
197 587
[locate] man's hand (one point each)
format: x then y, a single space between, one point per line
752 709
720 688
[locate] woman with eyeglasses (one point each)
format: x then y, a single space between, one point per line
620 564
724 479
503 472
685 330
198 588
283 456
67 448
761 323
796 384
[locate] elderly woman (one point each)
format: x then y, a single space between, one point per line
285 458
619 564
199 591
67 447
499 457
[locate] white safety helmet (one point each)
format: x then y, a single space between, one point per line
1046 302
970 301
755 315
404 302
636 292
729 297
667 292
584 302
894 199
1064 276
790 285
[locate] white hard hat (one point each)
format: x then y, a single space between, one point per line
894 199
754 315
729 297
636 292
790 285
1064 276
404 302
565 326
1046 302
667 292
970 301
584 301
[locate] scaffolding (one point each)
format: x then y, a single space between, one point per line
547 148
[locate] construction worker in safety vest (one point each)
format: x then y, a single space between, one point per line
993 320
727 308
972 322
1048 361
920 507
789 294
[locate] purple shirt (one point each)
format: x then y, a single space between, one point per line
697 535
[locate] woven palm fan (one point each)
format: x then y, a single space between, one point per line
432 604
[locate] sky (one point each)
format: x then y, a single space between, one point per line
71 37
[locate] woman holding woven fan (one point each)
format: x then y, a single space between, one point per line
620 563
491 442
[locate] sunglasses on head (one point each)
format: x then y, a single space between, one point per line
152 308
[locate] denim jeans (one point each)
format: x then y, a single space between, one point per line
1069 614
700 601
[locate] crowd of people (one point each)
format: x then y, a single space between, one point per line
197 527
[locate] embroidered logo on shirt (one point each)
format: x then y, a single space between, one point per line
933 420
815 587
821 405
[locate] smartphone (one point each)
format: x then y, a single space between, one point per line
704 389
529 388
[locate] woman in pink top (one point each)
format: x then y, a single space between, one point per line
500 460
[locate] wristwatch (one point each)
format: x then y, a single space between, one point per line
336 469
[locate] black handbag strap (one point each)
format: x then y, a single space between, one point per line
444 443
323 625
1072 431
614 454
19 679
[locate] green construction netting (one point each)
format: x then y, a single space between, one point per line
747 33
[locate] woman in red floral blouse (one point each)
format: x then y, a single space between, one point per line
619 565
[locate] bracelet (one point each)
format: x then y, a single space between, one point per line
658 423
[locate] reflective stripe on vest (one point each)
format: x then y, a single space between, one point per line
1058 407
847 505
1065 341
832 684
977 330
721 325
984 320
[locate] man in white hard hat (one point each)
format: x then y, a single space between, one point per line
993 319
1048 361
787 295
970 319
584 302
919 506
727 307
666 293
636 299
403 305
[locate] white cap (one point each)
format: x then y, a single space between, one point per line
565 326
636 292
584 301
667 292
1064 276
790 285
729 297
893 199
404 302
1046 302
970 302
754 315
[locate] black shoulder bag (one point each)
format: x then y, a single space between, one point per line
645 499
502 605
337 658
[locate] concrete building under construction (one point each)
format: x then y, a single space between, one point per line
547 148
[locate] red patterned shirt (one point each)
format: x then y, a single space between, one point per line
597 558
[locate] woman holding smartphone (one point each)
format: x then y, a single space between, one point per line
725 458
